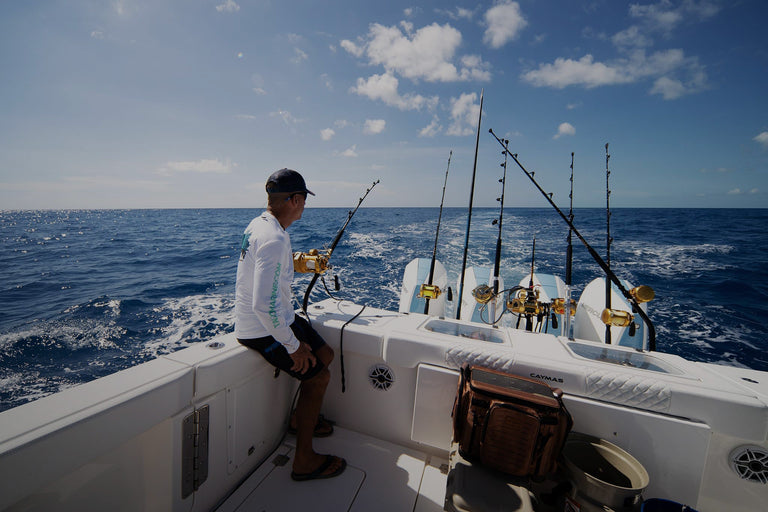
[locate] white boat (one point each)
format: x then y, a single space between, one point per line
203 428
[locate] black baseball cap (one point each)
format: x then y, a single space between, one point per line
286 181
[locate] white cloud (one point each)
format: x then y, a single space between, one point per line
352 48
631 37
734 192
425 54
585 72
457 14
504 22
200 166
259 91
97 34
341 123
762 138
327 133
565 129
384 87
659 15
374 126
299 56
669 88
287 118
667 66
228 6
431 129
464 115
350 152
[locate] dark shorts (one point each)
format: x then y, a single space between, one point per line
274 351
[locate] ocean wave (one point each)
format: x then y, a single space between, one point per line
190 320
674 260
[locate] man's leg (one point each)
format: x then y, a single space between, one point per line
308 407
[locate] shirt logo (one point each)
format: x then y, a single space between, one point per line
246 242
273 298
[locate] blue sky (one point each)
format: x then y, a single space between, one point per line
193 103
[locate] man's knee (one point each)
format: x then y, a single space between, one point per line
321 379
325 354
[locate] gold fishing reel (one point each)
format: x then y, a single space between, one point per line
642 293
524 302
429 291
558 306
483 294
619 318
312 262
616 317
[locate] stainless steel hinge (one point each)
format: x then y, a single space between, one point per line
194 451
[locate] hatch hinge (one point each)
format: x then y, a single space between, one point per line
194 451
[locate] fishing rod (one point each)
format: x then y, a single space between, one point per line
595 256
429 290
608 241
469 217
497 261
569 262
317 263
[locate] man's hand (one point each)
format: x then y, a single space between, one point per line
303 359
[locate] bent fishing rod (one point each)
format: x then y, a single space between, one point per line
317 263
608 272
429 291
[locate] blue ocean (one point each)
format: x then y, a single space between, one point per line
86 293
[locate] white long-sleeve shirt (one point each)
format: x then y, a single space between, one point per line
263 296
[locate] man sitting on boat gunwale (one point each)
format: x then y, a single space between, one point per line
266 322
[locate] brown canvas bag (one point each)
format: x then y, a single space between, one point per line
510 423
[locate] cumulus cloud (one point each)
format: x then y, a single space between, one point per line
464 115
636 66
384 88
504 22
199 166
374 126
288 118
585 72
457 14
424 54
299 56
431 129
564 129
762 138
350 152
327 134
228 6
671 72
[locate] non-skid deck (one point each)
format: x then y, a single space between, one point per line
379 476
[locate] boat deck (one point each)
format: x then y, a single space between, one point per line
380 476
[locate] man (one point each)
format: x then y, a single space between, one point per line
265 320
